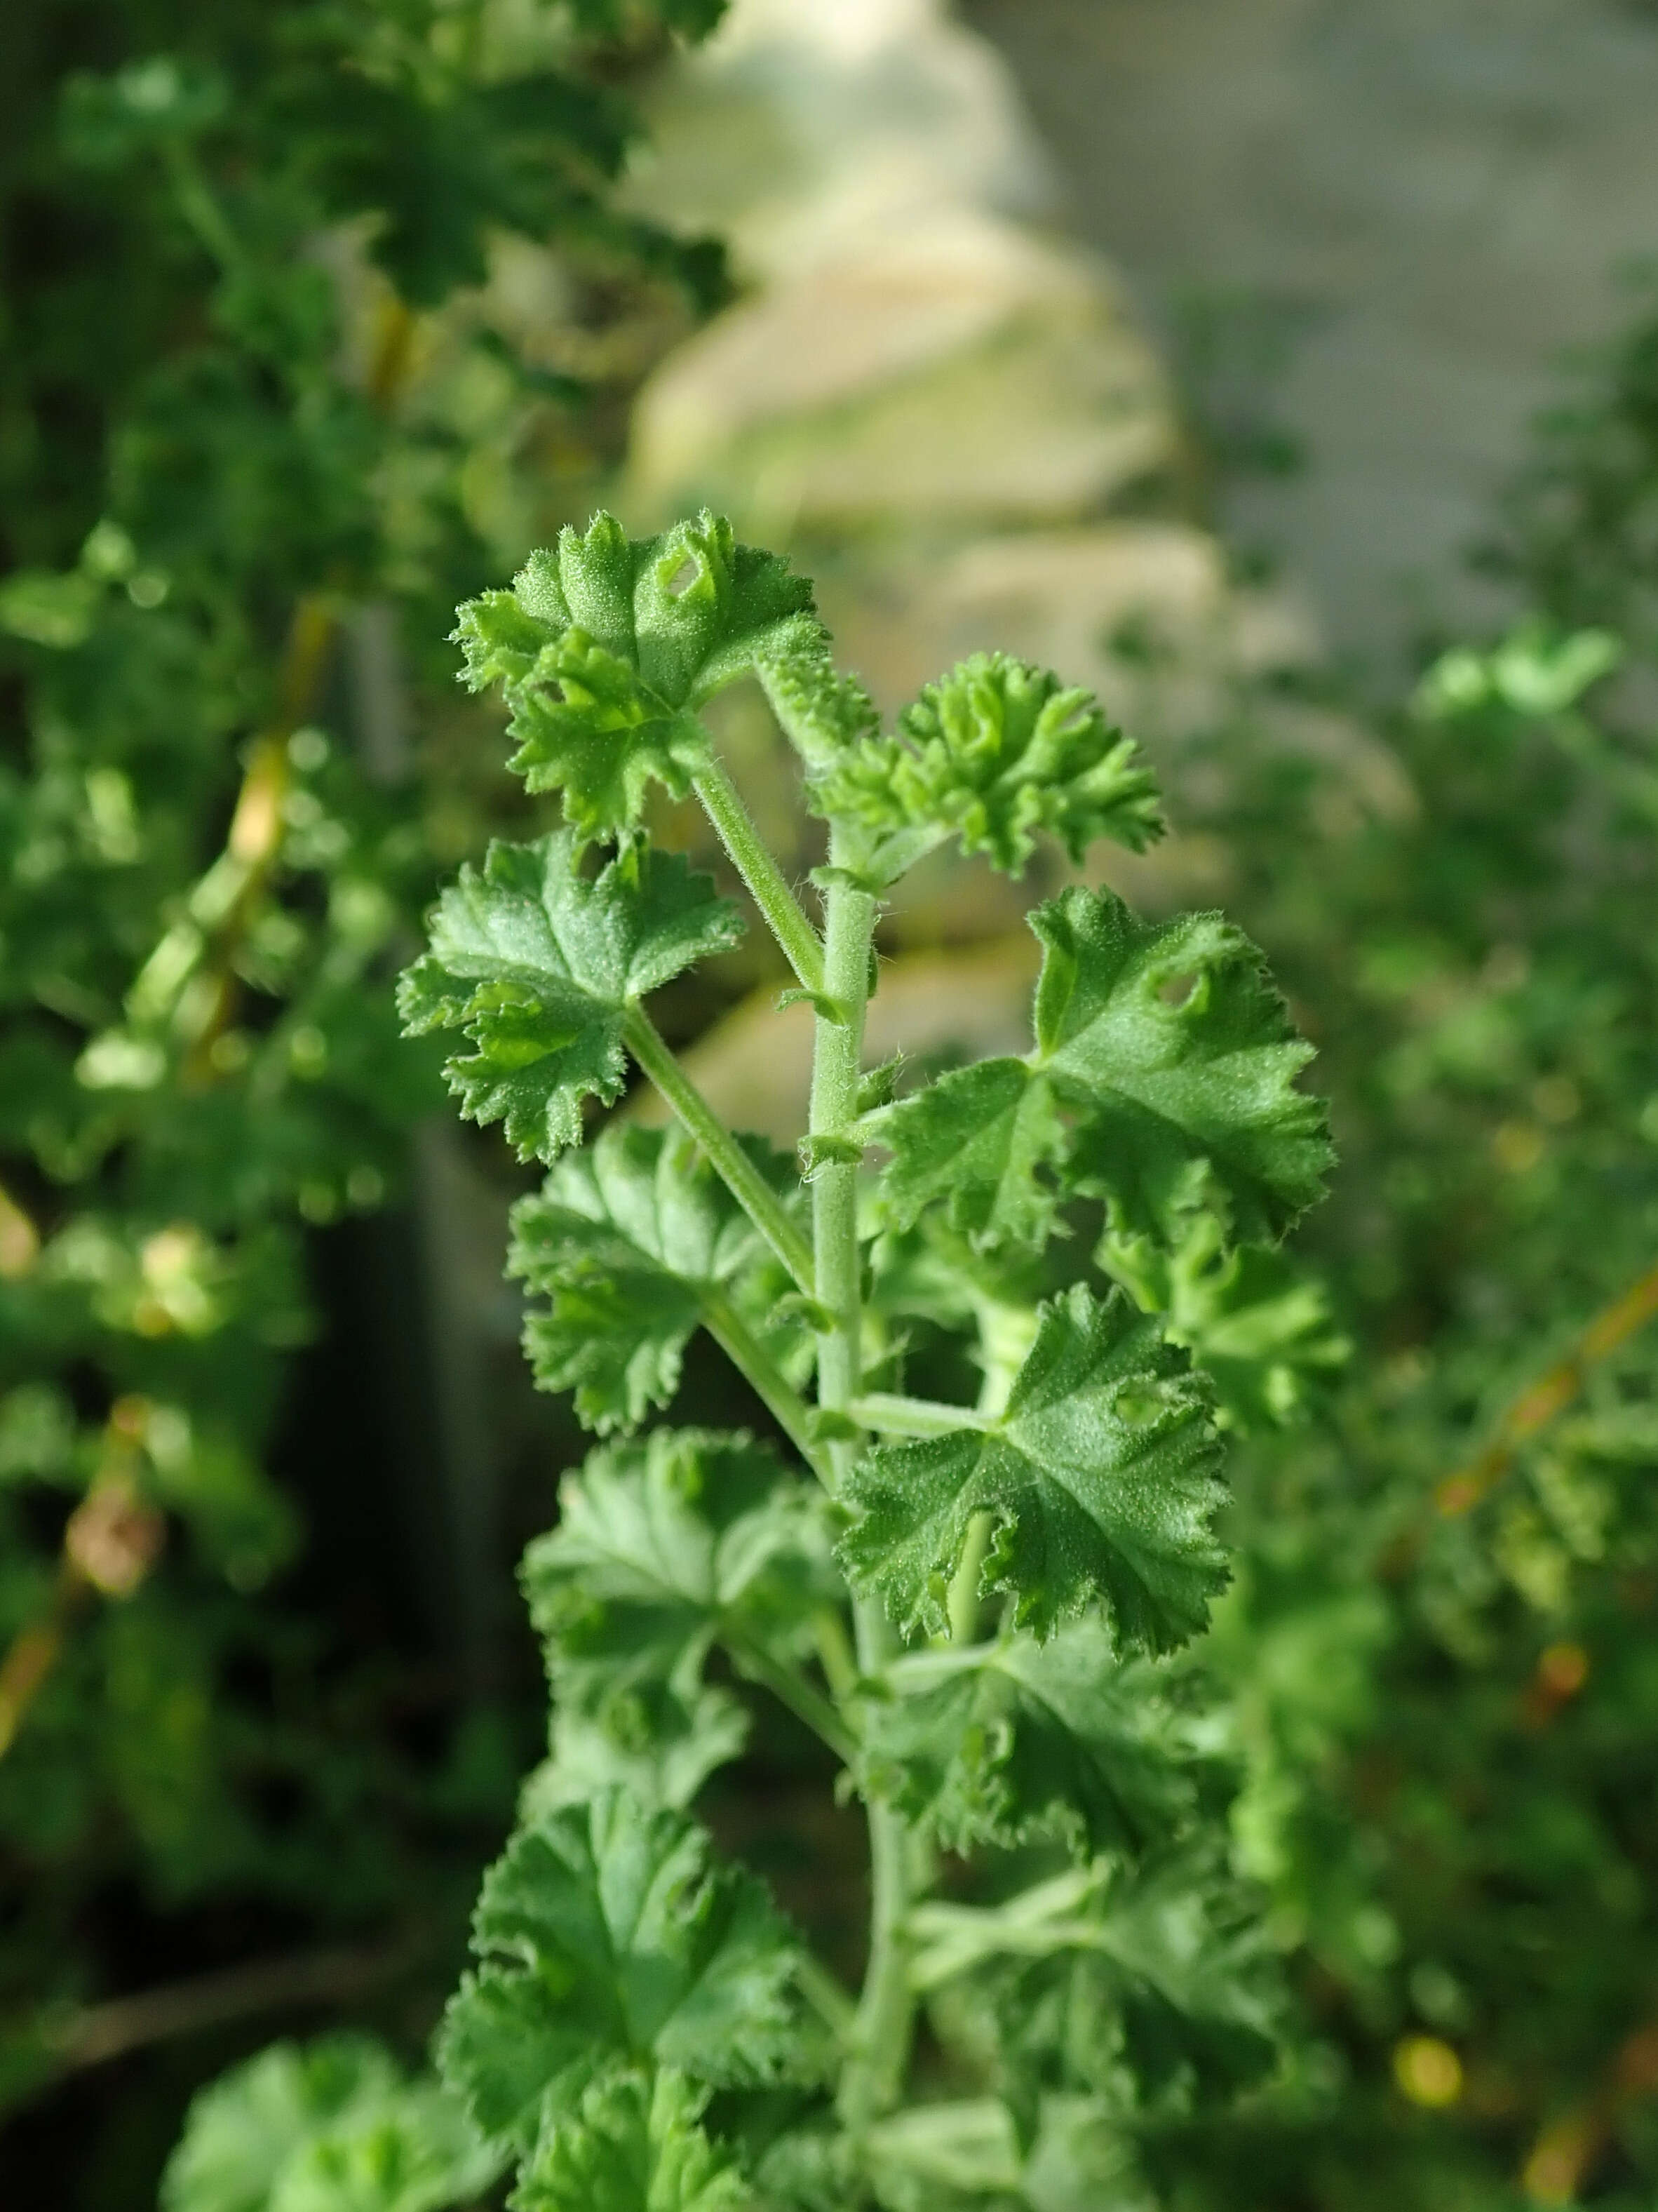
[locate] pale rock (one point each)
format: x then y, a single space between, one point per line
1142 612
803 124
964 369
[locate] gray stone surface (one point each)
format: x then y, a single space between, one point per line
1449 184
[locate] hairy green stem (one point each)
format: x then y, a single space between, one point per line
849 917
765 1378
914 1417
873 2079
724 1154
751 857
873 2076
962 1606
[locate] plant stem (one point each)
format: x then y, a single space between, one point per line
962 1606
794 1691
837 1054
765 1378
824 1994
914 1417
721 1150
873 2076
751 858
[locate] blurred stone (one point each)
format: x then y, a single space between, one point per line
1145 615
961 370
937 408
1132 609
800 125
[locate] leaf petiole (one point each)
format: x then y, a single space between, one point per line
766 1379
751 857
793 1690
721 1150
895 1415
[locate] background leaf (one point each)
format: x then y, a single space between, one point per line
635 2147
333 2126
629 1240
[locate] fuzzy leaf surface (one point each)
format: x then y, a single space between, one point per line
629 1239
1163 1077
605 1937
607 644
993 753
538 965
1101 1478
1002 1741
1177 1054
980 1141
635 2146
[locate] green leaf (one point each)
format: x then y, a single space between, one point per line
1198 1977
1003 1741
692 1529
993 753
588 726
537 965
967 2156
333 2126
609 644
1101 1477
631 1239
1257 1323
606 1938
624 1720
1163 1077
420 2159
979 1141
662 1548
635 2146
1171 1044
1166 1965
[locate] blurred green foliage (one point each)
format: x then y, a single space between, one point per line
267 406
1443 1638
